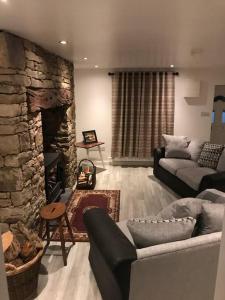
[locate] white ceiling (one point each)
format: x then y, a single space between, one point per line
123 33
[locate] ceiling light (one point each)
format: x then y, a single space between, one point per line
171 66
63 42
85 58
96 66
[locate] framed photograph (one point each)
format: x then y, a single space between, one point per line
89 136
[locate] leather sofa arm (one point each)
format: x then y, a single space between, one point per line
158 154
113 244
216 181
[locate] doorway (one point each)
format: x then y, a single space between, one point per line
218 116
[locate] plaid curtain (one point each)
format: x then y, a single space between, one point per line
142 110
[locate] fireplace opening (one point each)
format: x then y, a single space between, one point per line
53 130
52 127
54 176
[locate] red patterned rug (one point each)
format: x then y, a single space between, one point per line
109 200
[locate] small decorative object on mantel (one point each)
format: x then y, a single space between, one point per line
86 175
90 137
23 250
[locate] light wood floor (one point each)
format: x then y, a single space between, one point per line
141 195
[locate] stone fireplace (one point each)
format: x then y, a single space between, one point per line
37 115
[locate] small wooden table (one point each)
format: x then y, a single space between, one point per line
92 145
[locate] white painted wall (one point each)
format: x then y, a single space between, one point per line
93 94
93 100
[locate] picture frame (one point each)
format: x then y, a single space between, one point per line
90 137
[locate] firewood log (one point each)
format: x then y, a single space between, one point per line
13 251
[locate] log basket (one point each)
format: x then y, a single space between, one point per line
87 185
22 282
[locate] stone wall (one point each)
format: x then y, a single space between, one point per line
31 79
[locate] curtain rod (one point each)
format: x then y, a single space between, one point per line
174 73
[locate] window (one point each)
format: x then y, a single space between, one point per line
213 117
223 117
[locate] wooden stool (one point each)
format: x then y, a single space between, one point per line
55 212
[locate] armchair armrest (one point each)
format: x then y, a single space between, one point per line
216 181
111 255
113 244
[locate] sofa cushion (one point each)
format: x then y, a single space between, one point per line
193 176
186 207
177 152
213 195
153 232
173 164
195 148
210 155
176 146
211 219
221 162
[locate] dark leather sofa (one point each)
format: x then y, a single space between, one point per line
216 180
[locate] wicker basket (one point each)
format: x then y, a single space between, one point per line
87 185
22 282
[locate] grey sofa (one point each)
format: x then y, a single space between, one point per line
182 270
185 176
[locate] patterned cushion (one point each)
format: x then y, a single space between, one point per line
210 155
148 232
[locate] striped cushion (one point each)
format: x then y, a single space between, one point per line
148 232
210 155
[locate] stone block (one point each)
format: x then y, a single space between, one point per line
22 197
4 195
25 143
1 161
12 54
7 129
11 179
16 79
5 203
6 71
10 110
21 127
9 144
9 89
36 83
4 227
24 109
17 160
11 215
10 121
28 172
38 138
12 98
32 56
13 129
47 84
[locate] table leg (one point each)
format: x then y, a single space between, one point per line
62 242
48 233
69 228
100 153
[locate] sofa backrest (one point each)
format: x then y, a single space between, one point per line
180 270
